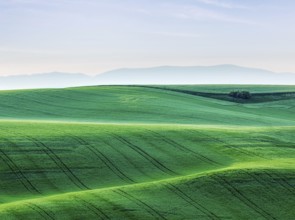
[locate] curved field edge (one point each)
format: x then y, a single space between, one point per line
119 152
240 191
40 159
126 104
254 97
265 154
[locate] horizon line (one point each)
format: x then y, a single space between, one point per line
134 68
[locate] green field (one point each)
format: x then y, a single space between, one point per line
156 152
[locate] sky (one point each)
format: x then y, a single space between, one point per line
93 36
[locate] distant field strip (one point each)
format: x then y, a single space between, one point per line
129 104
256 97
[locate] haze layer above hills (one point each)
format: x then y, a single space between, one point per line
220 74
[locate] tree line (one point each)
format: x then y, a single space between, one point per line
240 94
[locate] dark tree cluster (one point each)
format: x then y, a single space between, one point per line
240 94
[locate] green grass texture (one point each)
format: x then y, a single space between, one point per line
130 104
138 152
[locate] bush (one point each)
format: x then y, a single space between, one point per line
240 94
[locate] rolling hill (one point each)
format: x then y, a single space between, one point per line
147 152
139 104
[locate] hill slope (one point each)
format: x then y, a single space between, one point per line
127 104
145 171
133 152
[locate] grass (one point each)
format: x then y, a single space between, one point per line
257 95
125 104
125 152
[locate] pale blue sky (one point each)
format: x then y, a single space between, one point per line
92 36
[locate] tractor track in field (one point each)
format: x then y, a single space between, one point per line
141 203
18 173
280 181
106 161
145 155
283 183
63 97
69 97
58 161
241 151
174 189
116 206
98 212
258 180
265 184
240 196
128 159
37 169
42 212
28 109
183 148
32 99
262 182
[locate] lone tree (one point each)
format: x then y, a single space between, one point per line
240 94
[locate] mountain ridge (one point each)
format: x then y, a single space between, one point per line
215 74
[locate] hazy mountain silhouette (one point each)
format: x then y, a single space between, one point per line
220 74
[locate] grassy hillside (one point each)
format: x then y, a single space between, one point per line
124 104
121 152
228 88
258 94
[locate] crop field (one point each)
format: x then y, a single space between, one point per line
147 152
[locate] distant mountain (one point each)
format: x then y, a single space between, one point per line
220 74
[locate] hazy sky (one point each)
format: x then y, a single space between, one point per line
92 36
